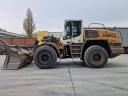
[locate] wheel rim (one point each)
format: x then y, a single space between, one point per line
97 58
44 57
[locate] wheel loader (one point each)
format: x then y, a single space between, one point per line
92 46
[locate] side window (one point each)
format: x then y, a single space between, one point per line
91 34
76 28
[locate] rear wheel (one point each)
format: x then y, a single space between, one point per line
95 56
45 57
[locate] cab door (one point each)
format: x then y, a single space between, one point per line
72 32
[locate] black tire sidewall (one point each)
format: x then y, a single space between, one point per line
95 49
53 57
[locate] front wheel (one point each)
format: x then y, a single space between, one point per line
95 56
45 57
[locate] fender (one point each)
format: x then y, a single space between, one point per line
53 45
88 43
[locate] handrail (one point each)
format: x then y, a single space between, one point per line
99 24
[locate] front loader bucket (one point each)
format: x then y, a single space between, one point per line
17 58
14 62
14 57
2 60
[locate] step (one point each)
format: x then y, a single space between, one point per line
75 55
76 48
76 51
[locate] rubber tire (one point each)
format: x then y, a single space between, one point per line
89 52
83 62
53 56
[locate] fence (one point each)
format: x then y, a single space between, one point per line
20 41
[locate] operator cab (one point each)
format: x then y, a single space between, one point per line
72 32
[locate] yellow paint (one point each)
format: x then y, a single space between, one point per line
60 46
41 35
111 36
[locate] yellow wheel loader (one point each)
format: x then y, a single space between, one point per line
93 46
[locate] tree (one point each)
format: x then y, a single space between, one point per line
29 24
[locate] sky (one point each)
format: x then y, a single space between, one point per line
49 15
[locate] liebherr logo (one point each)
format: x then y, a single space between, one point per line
109 35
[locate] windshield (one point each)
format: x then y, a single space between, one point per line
67 31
